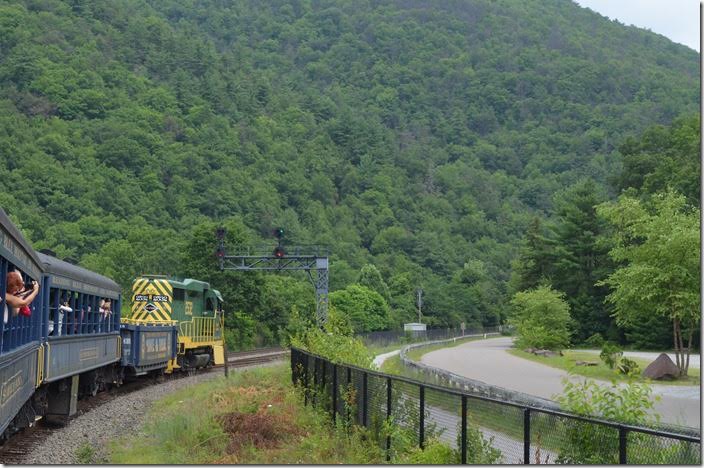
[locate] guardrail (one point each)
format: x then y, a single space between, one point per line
480 429
449 379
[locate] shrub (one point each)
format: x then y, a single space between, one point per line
542 319
595 341
588 443
628 367
335 341
611 353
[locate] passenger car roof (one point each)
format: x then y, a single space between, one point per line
15 248
76 278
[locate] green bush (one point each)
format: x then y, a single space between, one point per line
542 319
628 367
595 341
611 354
335 342
594 444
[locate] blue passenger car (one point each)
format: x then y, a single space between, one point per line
20 337
81 329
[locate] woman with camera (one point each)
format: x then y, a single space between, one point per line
18 294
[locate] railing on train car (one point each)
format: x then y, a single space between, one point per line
17 329
201 329
76 313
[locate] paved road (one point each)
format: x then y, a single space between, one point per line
488 361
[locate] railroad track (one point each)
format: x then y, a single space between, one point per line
13 451
248 358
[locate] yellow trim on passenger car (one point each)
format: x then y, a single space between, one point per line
48 358
40 365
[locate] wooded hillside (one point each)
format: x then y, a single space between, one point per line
422 137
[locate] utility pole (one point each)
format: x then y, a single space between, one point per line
419 302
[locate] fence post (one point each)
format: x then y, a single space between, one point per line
315 380
526 436
322 382
622 444
388 417
348 406
365 399
306 359
334 393
464 431
421 422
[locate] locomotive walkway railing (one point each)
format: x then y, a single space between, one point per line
481 430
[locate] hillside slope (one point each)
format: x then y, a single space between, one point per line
416 135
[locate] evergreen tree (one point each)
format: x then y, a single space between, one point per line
580 259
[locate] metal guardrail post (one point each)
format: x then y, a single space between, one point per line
334 393
365 398
463 442
388 417
421 420
526 436
622 445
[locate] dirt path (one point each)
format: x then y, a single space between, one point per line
488 361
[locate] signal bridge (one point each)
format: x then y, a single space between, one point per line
313 259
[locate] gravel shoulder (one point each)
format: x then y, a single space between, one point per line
118 417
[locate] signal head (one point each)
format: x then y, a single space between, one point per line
278 232
279 252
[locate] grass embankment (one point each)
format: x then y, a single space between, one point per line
254 417
601 371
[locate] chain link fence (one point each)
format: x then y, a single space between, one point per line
398 411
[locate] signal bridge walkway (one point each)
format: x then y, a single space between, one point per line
488 361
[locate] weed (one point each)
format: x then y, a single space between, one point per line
85 454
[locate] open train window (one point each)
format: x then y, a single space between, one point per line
178 294
209 304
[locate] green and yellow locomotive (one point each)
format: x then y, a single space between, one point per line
192 306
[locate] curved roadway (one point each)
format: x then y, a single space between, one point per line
488 361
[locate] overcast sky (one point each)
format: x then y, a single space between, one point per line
677 20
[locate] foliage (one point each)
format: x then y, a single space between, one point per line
127 124
595 341
85 454
657 245
663 157
335 342
541 317
365 308
305 436
595 444
611 354
628 367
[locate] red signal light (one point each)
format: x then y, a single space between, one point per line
279 252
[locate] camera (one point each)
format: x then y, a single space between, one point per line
28 285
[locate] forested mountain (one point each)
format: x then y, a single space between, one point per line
422 137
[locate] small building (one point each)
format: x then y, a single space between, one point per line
415 330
